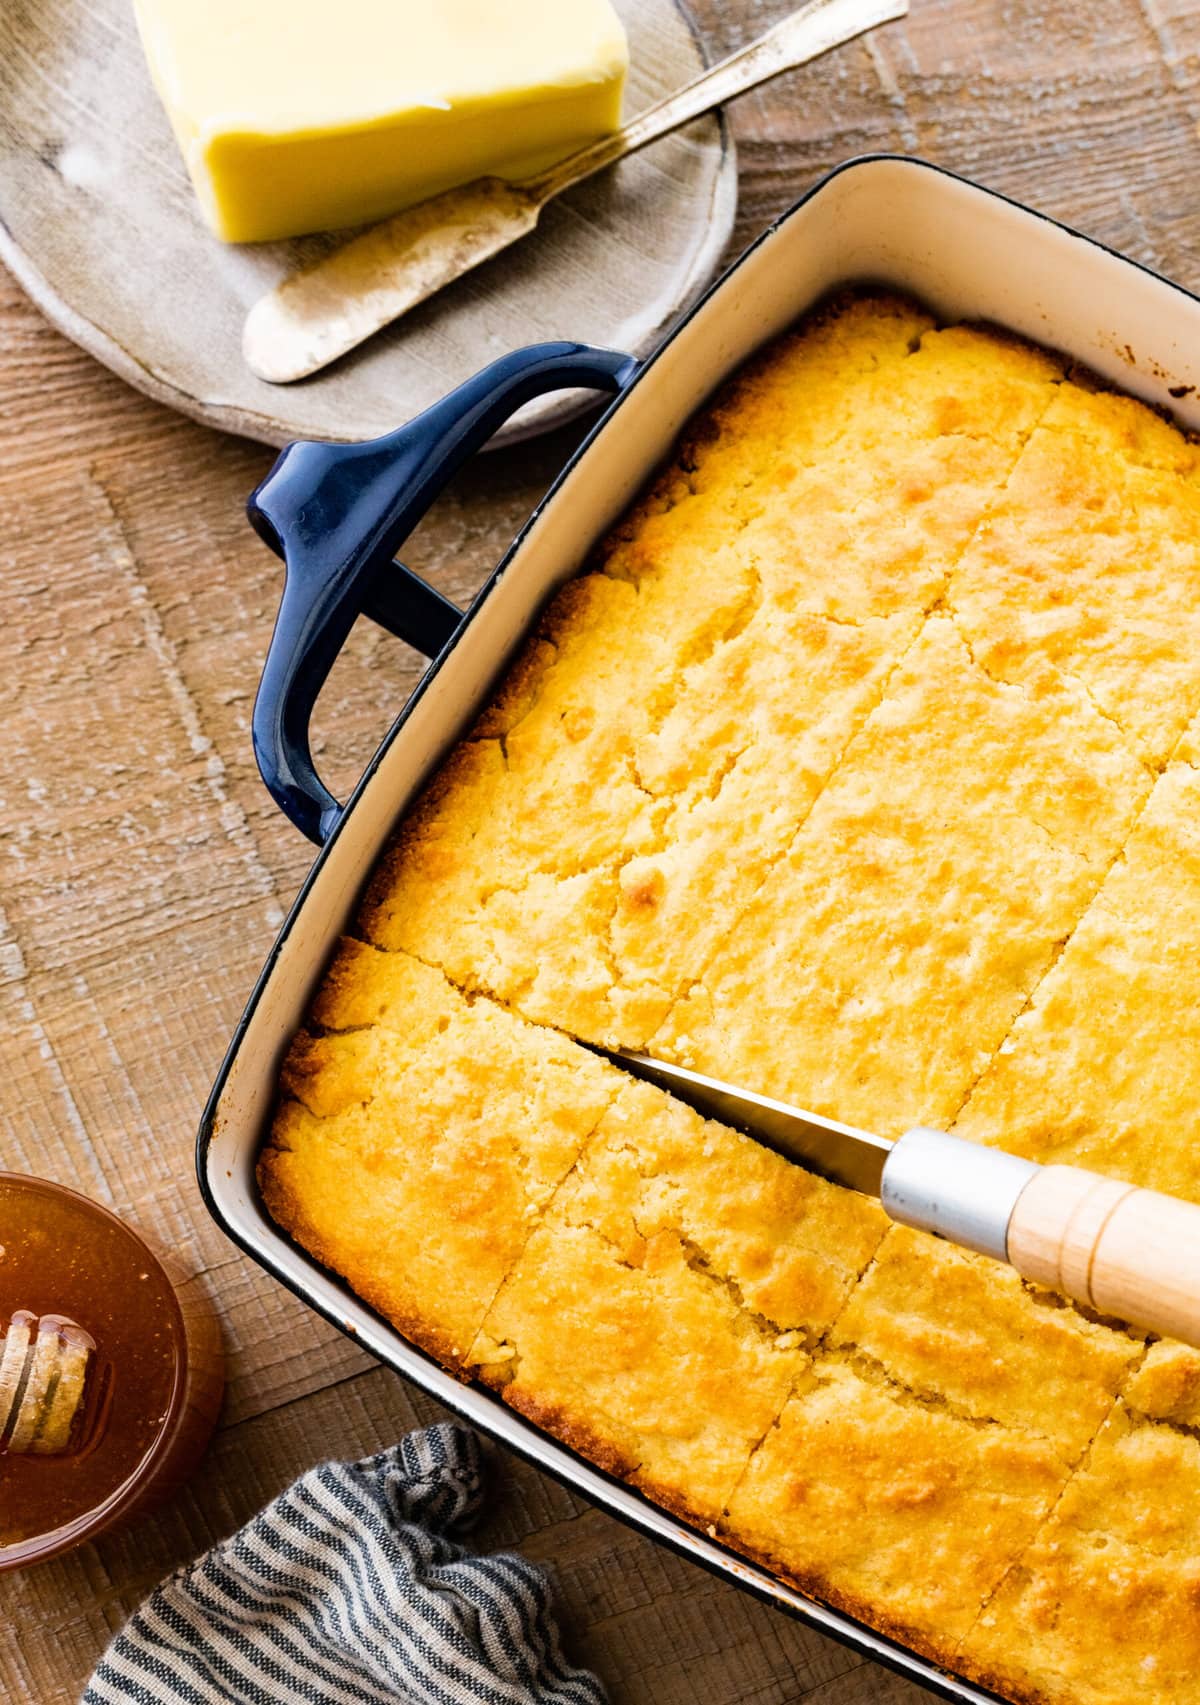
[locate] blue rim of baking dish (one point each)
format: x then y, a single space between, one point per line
849 1630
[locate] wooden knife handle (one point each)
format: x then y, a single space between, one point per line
1122 1251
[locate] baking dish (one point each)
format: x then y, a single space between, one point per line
339 514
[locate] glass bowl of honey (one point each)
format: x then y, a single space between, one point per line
111 1372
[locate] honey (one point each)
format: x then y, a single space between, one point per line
105 1402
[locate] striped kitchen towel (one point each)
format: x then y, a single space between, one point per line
349 1589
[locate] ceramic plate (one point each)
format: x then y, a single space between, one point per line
98 222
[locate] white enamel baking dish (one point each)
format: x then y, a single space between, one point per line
340 516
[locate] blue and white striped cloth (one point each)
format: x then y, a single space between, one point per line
350 1590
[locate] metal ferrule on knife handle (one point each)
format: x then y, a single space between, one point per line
954 1188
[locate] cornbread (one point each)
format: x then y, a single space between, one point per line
858 767
676 1244
867 1497
1086 565
955 1329
754 664
1167 1385
956 873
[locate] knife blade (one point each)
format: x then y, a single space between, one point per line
1107 1244
840 1152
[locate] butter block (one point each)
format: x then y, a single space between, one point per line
297 116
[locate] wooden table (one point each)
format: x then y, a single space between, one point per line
143 871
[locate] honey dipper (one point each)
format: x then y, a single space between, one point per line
43 1378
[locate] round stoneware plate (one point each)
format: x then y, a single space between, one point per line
98 222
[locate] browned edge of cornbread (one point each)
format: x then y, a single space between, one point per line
288 1212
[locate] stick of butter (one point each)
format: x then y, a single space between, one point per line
303 115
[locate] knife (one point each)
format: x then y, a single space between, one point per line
1120 1250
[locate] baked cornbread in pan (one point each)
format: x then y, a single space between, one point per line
860 767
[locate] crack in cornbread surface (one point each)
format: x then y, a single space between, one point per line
950 1325
838 774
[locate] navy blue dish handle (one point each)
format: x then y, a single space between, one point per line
338 513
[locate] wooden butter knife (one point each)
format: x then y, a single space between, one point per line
1119 1250
322 310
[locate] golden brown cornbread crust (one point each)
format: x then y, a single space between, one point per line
859 766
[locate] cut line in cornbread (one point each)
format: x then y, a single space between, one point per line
1100 1071
417 1150
918 906
895 1510
1090 563
659 1316
1105 1599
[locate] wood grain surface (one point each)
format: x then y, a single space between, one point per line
143 872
